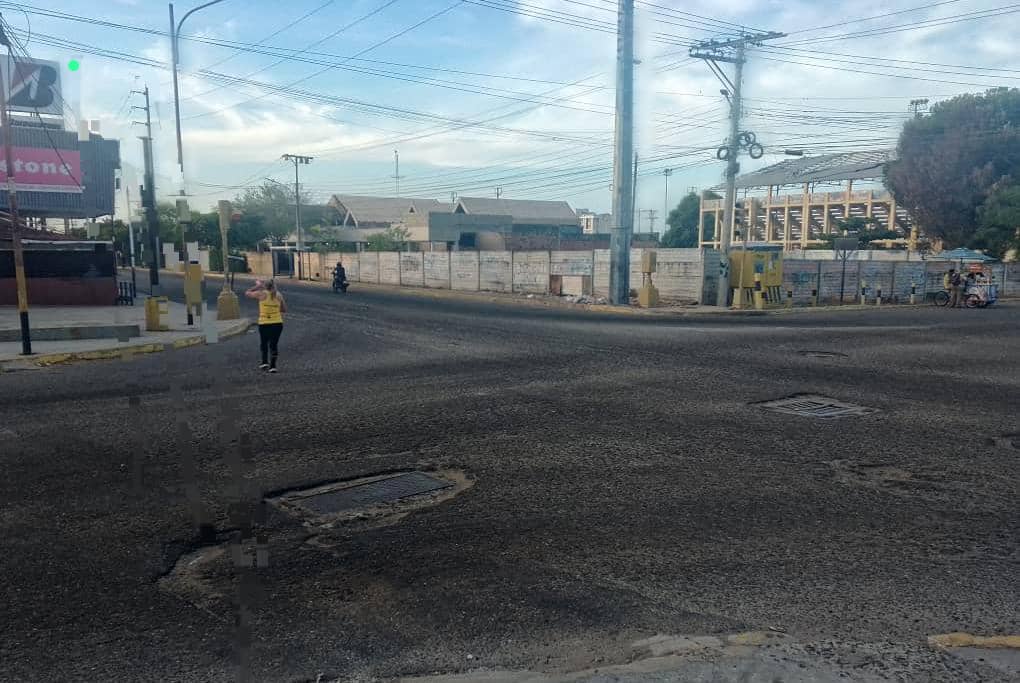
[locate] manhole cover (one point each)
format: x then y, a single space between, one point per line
380 491
810 405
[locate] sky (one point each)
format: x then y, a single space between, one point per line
515 96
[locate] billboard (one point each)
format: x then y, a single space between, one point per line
32 85
44 169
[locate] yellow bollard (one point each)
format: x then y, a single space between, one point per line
155 308
759 300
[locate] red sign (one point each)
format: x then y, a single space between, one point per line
976 268
44 169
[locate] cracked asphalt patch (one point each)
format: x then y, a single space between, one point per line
624 486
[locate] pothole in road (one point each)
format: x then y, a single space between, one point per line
812 405
889 478
371 501
823 354
1005 441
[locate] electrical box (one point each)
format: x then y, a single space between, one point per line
748 259
648 261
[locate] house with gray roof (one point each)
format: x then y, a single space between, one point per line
522 211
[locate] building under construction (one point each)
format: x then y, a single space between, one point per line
796 220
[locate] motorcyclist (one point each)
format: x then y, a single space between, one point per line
340 277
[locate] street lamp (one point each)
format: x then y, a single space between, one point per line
175 32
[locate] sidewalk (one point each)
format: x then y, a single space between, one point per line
61 333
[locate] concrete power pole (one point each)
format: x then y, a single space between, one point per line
298 160
713 52
623 179
149 197
666 172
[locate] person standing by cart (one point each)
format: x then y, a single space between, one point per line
271 309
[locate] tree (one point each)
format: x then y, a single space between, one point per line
999 220
273 205
683 221
390 239
949 162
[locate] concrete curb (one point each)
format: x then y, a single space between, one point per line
49 359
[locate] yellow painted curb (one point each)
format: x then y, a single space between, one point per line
947 640
47 360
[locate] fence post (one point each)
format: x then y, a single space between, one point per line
892 284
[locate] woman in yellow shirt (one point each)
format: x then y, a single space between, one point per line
271 310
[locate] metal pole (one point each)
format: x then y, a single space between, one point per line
396 176
732 167
297 218
175 32
12 208
177 96
623 215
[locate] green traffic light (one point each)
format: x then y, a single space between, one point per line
73 65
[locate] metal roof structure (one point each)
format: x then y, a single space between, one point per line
825 168
362 209
523 211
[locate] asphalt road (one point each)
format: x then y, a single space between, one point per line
619 483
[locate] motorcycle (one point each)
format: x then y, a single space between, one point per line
340 284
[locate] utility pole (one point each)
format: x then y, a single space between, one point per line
149 196
714 52
499 192
12 208
298 160
652 216
666 173
623 179
396 174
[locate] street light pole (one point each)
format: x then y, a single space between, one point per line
298 159
175 32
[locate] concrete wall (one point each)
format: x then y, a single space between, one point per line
571 263
368 262
464 270
495 271
531 271
896 278
412 269
389 268
437 269
683 274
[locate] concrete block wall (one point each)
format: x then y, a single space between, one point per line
495 271
412 269
369 263
437 269
531 272
464 271
389 267
895 278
